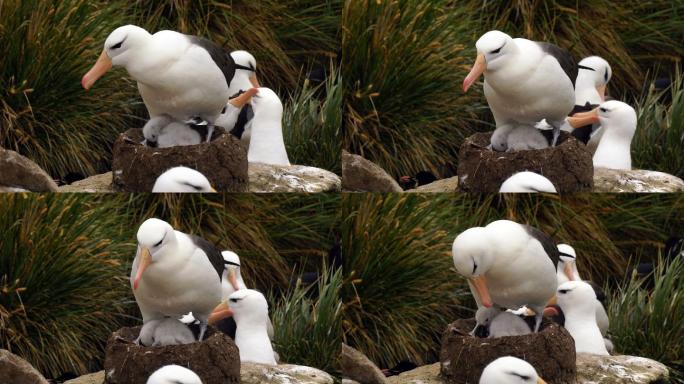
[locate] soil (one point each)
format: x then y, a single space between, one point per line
223 161
216 359
463 357
482 170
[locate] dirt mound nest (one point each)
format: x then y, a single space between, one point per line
568 165
223 161
216 359
551 351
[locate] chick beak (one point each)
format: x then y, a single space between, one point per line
478 68
102 65
480 284
220 312
145 260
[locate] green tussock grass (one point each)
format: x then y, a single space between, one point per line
64 288
307 326
65 262
401 289
403 63
44 112
311 127
644 323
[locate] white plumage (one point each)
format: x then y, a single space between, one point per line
172 275
174 374
525 182
619 123
593 76
507 265
182 180
577 300
523 83
232 278
510 370
266 144
250 311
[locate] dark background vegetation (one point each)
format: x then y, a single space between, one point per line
404 62
65 263
47 46
401 289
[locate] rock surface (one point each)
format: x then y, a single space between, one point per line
215 359
427 374
439 186
263 178
636 180
551 352
356 366
17 171
295 178
481 170
593 369
15 370
252 373
223 161
361 175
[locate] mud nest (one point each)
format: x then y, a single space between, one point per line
568 165
216 359
551 352
223 161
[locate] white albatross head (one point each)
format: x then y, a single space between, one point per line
493 50
567 267
182 180
527 182
593 76
473 259
153 236
232 262
576 297
245 67
121 47
174 374
510 370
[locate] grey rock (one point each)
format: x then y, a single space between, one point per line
17 171
94 184
621 369
356 366
15 370
361 175
427 374
439 186
265 178
93 378
253 373
635 180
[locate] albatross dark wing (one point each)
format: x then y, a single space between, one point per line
222 58
567 62
546 242
213 253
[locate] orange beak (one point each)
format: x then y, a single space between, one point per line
243 99
602 92
232 277
583 118
103 64
552 301
478 68
254 81
480 284
540 381
145 260
220 312
568 271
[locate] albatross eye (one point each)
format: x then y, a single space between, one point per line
117 45
234 300
159 243
563 291
603 109
496 50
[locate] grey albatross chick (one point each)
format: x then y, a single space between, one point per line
186 77
525 82
508 265
175 273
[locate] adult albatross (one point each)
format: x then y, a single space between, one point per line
175 273
186 77
525 81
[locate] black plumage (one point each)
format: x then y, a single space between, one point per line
222 58
213 253
546 242
565 59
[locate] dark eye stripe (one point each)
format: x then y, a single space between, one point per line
566 255
585 67
230 263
